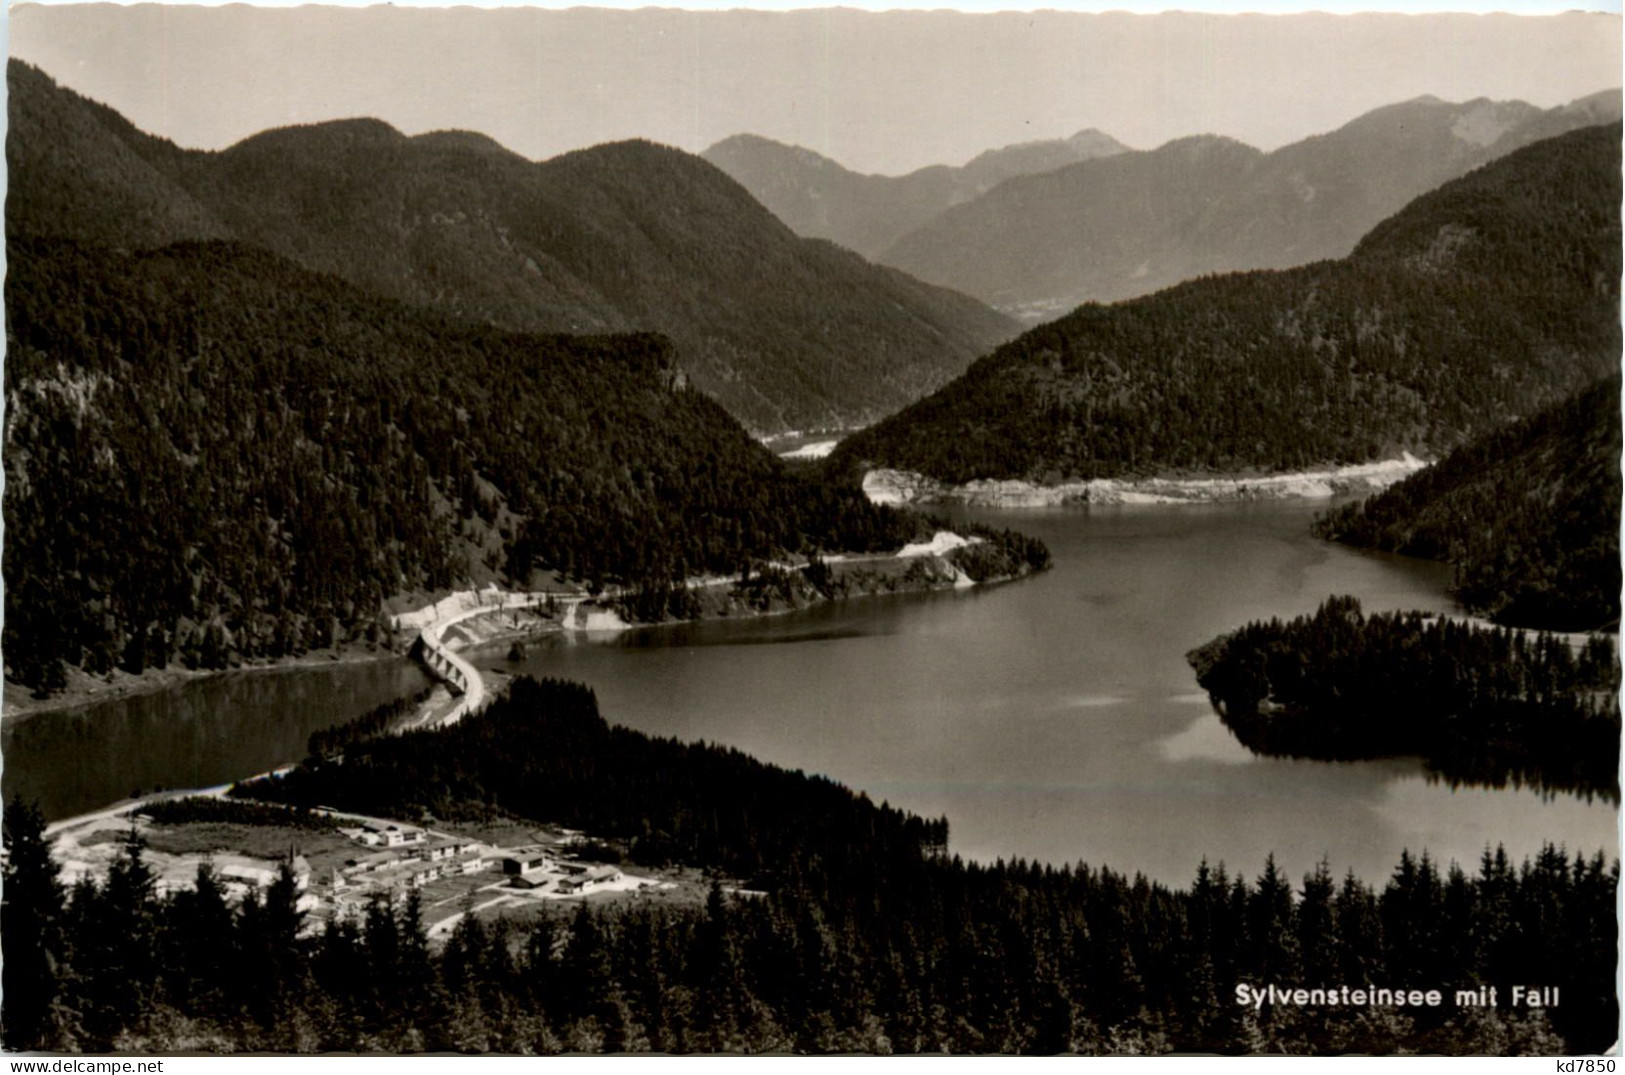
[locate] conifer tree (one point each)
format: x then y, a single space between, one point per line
30 930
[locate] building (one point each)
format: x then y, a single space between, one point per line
366 865
398 837
441 849
374 834
584 881
523 860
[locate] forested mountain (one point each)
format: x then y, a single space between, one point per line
865 935
1131 224
210 450
1480 302
784 332
1529 515
1480 705
819 198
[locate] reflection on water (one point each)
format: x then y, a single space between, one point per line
1057 719
209 732
745 633
1206 740
1052 719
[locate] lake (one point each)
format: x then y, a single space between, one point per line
1053 718
208 732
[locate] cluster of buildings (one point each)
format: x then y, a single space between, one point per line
407 858
535 867
379 857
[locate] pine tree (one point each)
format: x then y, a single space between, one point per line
201 942
115 949
30 930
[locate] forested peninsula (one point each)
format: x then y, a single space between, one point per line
860 932
1480 704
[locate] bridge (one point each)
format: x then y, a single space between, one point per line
442 662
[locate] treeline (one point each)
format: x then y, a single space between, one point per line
866 937
999 554
375 722
542 750
213 455
1480 302
203 809
1529 515
1479 705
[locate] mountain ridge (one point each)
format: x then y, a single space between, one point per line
1049 241
785 332
821 198
1479 303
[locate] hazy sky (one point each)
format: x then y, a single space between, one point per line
881 92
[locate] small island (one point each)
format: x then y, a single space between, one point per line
1480 704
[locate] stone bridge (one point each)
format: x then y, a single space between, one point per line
445 664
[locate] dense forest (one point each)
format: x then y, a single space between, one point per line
1481 302
543 751
786 333
865 935
379 720
1481 705
1529 515
212 453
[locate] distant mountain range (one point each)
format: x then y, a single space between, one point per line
868 213
1117 224
1478 303
787 333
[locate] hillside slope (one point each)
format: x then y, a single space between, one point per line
784 332
210 450
1529 515
1477 304
821 199
1132 224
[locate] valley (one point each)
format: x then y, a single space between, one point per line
644 600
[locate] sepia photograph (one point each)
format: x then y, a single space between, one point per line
594 531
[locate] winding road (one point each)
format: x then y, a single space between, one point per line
446 664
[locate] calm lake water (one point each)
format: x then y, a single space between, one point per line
209 732
1053 718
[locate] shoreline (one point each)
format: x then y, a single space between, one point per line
20 705
577 613
553 629
907 488
474 616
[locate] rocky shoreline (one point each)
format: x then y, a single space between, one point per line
901 487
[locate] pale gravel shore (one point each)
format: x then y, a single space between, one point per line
900 487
